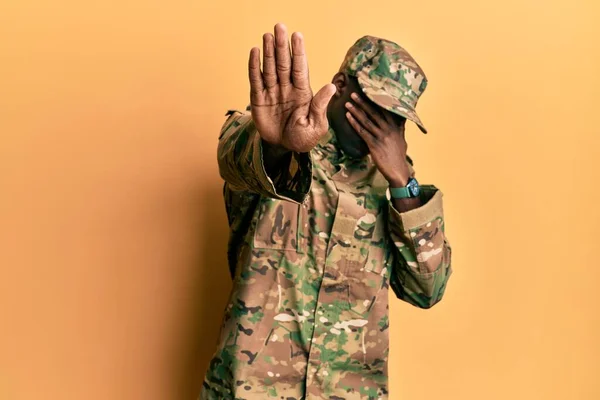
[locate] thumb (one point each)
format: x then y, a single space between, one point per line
318 106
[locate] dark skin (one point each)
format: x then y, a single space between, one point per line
290 119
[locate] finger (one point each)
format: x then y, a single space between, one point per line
269 75
318 105
256 81
361 130
282 54
401 128
389 118
299 63
396 121
363 119
371 111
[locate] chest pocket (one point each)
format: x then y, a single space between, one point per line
367 280
277 225
377 259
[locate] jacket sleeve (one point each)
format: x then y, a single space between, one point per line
422 254
241 163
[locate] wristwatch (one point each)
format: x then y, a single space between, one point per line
410 190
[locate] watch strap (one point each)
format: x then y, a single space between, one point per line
400 193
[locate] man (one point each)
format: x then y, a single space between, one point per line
325 215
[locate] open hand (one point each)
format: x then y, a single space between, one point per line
283 108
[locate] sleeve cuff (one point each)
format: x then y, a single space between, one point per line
292 184
430 210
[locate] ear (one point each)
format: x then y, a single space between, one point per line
340 80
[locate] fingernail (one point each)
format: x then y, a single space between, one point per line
348 105
354 96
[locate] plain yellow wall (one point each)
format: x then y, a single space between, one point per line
113 233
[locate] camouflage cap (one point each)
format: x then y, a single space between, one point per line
388 75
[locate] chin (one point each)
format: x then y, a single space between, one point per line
356 153
350 142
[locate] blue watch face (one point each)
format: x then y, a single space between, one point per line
413 187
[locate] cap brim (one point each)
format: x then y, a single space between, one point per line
390 103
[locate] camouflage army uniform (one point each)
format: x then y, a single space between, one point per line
313 252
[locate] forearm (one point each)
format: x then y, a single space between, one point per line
423 263
404 205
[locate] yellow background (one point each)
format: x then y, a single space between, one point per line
113 232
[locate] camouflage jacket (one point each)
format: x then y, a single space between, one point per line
313 252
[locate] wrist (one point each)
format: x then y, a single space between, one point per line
274 149
399 180
398 183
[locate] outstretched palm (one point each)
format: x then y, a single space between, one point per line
283 107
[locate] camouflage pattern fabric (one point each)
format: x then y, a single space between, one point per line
388 75
313 253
